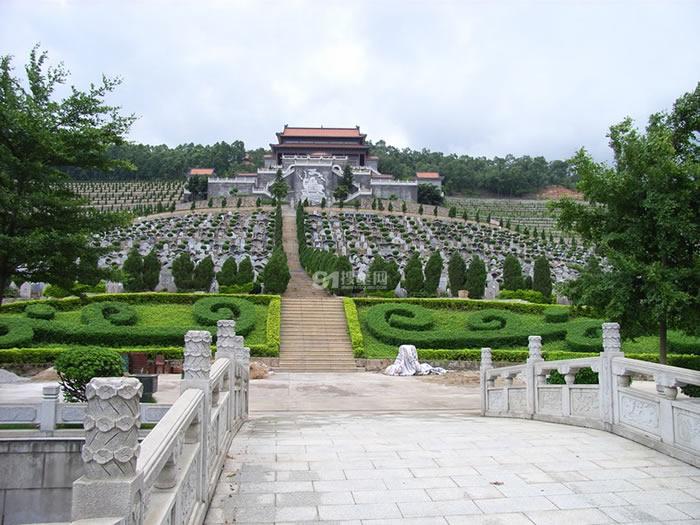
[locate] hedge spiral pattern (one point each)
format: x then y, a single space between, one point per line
209 310
108 312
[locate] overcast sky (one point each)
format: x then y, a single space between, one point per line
483 78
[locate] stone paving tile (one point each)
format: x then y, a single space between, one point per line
495 505
362 512
490 519
390 496
295 499
407 521
421 509
647 512
691 509
658 496
582 501
560 517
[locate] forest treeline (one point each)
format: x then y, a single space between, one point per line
506 176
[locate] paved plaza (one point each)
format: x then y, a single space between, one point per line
445 467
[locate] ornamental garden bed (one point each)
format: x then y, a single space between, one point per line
456 329
35 332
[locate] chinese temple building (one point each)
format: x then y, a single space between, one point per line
312 161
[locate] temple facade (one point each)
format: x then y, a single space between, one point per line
312 161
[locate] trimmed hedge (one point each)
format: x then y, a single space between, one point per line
273 326
209 310
108 312
15 332
40 311
354 328
556 314
456 304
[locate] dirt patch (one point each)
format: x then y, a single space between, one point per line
453 377
46 375
558 192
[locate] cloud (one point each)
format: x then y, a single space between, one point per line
483 78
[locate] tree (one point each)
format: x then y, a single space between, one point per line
203 274
88 270
475 279
228 275
197 186
643 218
151 271
279 188
356 204
433 272
44 227
390 208
346 280
182 272
393 275
323 203
375 273
465 216
456 270
404 208
245 271
435 211
420 209
344 187
542 277
429 194
133 271
413 275
276 274
452 213
512 273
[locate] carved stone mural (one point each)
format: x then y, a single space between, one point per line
497 401
687 427
549 400
516 400
584 402
639 413
313 185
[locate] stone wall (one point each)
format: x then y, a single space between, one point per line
37 476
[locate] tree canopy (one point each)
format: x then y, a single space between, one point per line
644 218
44 228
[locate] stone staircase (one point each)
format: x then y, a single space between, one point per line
314 334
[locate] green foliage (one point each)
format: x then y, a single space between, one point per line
78 366
133 271
108 312
542 276
354 328
276 276
644 220
556 314
585 376
209 310
40 311
44 228
512 273
429 194
228 275
526 295
433 271
456 272
15 332
197 186
182 272
413 275
273 326
245 271
203 274
475 278
345 277
151 271
279 188
344 187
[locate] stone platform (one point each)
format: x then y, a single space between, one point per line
446 468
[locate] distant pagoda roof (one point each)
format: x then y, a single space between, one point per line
433 175
201 171
321 132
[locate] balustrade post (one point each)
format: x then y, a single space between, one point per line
196 368
484 384
49 405
110 486
607 384
243 364
534 348
226 344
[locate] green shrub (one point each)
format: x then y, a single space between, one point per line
237 288
475 278
228 274
273 326
77 366
584 335
456 271
108 312
245 271
531 296
512 273
276 274
40 311
151 270
354 328
203 274
133 270
585 376
413 275
209 310
15 332
57 292
542 276
433 271
556 314
182 272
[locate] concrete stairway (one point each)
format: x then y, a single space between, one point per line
314 336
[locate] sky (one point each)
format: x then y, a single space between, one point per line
482 78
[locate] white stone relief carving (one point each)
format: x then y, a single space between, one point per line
584 402
639 413
516 400
497 401
550 400
687 429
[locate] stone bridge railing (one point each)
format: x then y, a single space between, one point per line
170 476
653 417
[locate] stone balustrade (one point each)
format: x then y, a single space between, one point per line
656 418
170 476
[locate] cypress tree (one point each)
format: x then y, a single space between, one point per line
475 279
377 266
228 275
512 273
346 281
276 275
433 271
203 274
542 278
133 270
465 216
413 275
403 207
435 211
245 272
393 275
420 209
456 270
151 271
453 212
182 272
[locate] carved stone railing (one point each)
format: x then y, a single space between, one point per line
655 418
170 477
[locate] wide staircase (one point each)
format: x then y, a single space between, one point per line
314 332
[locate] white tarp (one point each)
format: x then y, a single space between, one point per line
407 364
